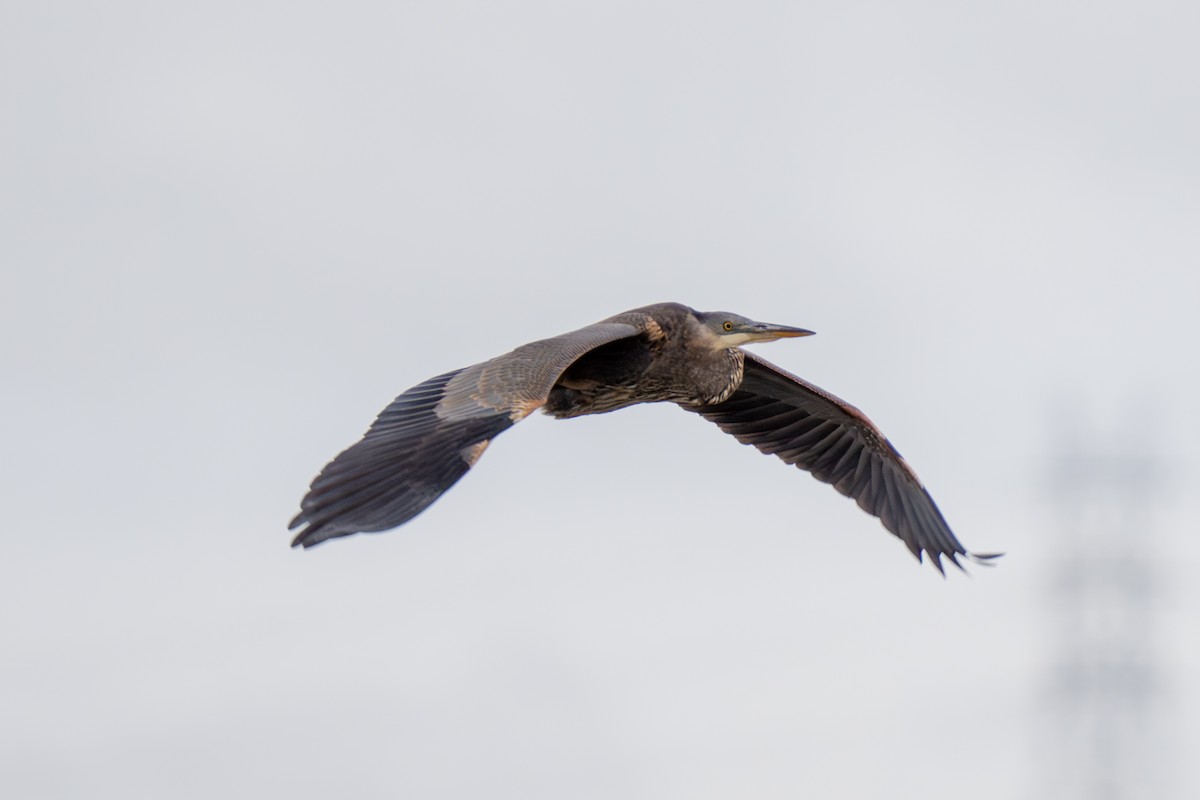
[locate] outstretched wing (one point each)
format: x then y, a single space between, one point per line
804 425
432 434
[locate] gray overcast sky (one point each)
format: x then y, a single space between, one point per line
231 232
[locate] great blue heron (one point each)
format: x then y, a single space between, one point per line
432 434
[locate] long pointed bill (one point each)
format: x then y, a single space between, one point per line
765 332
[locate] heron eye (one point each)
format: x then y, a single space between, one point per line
728 325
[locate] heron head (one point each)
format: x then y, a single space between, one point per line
731 330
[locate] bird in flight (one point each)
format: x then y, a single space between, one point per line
429 436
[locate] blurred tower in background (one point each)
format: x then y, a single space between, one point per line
1103 736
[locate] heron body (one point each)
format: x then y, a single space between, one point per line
432 434
678 360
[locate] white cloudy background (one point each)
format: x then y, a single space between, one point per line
231 232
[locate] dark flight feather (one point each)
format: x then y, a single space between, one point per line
430 436
804 425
